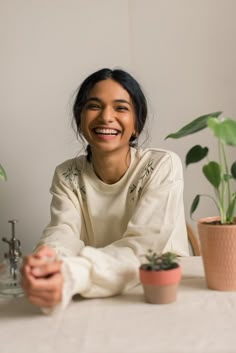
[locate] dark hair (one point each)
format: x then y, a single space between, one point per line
128 83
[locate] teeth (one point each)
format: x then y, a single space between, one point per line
106 131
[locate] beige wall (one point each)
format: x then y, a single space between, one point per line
182 51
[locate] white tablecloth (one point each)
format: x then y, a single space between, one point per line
201 320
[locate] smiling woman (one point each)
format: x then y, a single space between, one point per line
110 205
107 124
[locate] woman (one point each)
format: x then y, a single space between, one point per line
109 206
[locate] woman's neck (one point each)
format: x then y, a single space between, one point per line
110 167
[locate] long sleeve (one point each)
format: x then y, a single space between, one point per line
157 222
63 232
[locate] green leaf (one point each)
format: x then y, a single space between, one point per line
212 172
196 154
194 205
196 125
224 130
3 175
233 170
231 208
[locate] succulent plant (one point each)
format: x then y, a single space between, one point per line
161 262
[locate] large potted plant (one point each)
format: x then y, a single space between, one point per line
217 234
160 275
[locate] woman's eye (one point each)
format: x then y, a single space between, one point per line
121 108
92 106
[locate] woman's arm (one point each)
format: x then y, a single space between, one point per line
42 280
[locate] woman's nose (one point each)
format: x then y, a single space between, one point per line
107 114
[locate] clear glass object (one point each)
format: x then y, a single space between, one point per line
10 276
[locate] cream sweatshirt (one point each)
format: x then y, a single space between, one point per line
101 231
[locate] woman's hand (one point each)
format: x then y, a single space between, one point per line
42 279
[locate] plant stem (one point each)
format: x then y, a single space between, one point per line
218 204
227 173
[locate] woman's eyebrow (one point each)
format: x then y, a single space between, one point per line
121 101
94 99
100 101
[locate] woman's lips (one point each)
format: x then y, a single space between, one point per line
106 131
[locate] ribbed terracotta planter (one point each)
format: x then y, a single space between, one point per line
218 248
160 287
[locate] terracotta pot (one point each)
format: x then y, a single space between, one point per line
160 287
218 248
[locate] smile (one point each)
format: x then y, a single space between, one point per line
105 131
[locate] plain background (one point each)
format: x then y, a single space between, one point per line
181 51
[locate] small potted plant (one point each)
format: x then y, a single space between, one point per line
217 234
160 275
3 175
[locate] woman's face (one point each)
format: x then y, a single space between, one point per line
108 118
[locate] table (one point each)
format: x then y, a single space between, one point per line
200 321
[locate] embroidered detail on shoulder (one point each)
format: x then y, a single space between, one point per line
82 189
73 176
132 188
136 188
148 169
